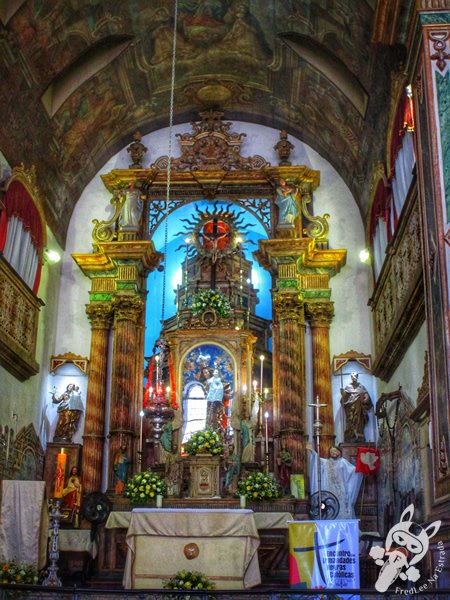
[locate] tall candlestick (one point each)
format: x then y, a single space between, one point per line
266 416
61 460
261 358
141 414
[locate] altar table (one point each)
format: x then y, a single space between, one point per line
227 542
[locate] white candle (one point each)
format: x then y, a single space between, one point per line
266 416
141 414
261 358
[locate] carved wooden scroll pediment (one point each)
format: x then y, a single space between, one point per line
211 147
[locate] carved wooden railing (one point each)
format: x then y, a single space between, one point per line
398 300
19 314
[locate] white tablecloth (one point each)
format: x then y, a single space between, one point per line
77 540
24 522
227 541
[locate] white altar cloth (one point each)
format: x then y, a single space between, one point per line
227 541
24 524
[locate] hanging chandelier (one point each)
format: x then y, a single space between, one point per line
160 394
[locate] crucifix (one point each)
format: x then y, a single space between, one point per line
211 244
317 427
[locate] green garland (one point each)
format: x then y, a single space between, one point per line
212 300
258 486
144 487
207 441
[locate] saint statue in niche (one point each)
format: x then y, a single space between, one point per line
70 409
356 402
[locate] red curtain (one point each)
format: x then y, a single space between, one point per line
19 203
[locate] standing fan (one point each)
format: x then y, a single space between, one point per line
95 509
330 506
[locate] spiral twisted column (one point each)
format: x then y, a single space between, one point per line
100 316
127 317
289 394
320 315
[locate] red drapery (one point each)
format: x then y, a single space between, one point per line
19 203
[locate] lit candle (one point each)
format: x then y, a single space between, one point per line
61 460
261 358
266 416
266 393
255 385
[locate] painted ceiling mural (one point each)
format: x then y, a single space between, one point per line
231 54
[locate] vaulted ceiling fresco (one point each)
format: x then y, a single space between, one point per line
80 76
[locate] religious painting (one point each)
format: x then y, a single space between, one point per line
208 390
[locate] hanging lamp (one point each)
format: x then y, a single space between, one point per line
160 394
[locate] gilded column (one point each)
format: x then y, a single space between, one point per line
320 315
127 315
100 317
289 396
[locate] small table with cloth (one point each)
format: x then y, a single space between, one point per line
227 542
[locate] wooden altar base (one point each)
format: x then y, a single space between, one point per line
273 553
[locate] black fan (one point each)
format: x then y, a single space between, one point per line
330 506
95 508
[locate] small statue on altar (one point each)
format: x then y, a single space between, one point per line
70 410
71 495
286 200
232 470
356 402
284 148
132 207
247 426
284 462
214 399
121 463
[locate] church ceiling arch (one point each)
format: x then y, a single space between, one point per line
229 55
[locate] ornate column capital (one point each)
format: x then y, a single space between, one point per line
288 306
100 314
127 308
320 313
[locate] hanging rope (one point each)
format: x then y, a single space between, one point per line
169 161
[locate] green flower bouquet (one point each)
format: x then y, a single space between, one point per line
210 299
207 441
188 580
258 486
18 573
144 487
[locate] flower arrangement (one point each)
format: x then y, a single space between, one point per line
12 572
145 486
207 441
258 486
210 299
188 580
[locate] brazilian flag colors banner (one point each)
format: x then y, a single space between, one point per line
324 554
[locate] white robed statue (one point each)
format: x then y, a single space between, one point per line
338 476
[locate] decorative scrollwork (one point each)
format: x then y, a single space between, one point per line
318 227
105 231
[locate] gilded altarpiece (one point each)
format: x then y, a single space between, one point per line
295 253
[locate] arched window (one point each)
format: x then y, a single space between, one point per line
402 155
21 234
